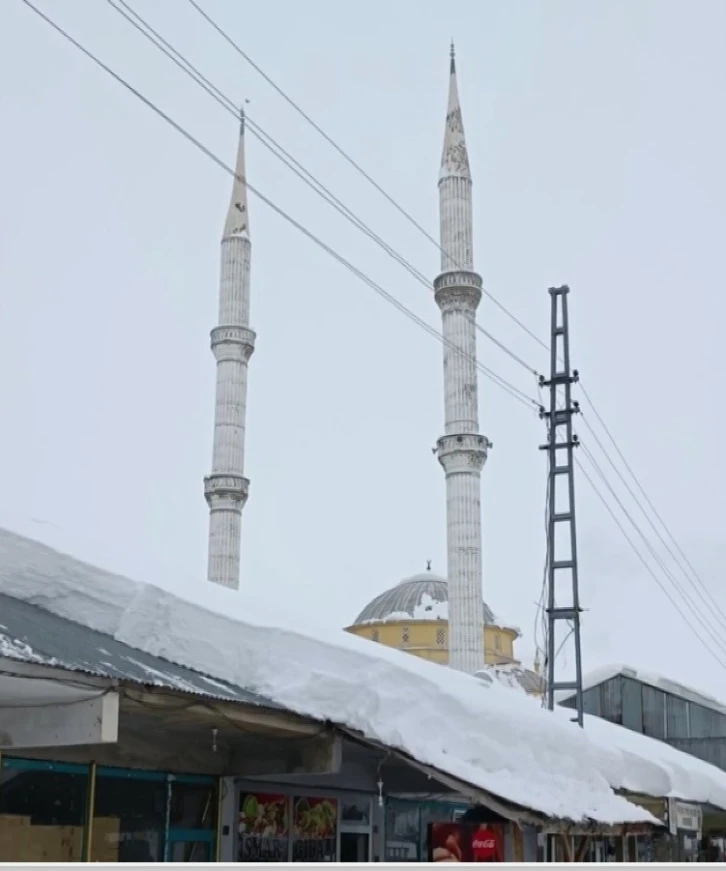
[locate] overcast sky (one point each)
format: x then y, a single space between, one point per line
596 141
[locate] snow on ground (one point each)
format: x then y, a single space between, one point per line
489 736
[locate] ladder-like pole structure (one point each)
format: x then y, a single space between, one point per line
563 600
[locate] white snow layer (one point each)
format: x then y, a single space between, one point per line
427 608
668 685
489 736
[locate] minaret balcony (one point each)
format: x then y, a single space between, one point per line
225 491
458 290
233 343
466 452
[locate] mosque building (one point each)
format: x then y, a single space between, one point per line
413 616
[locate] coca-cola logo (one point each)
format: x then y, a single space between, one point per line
483 844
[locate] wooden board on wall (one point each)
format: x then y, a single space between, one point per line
517 843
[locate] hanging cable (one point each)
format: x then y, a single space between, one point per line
649 568
694 574
196 5
285 157
515 392
352 162
693 606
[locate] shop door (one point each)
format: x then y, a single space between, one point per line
190 845
354 847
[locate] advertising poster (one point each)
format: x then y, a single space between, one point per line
315 829
466 842
263 828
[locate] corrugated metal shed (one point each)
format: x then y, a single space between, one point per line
31 634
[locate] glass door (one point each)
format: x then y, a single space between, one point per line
190 845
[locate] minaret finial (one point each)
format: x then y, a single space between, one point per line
428 565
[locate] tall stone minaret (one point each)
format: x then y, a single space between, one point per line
232 345
462 451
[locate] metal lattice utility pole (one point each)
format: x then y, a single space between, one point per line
563 600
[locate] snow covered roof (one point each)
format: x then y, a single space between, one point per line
32 634
421 597
600 675
643 765
491 737
514 676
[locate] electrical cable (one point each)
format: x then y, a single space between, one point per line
129 693
647 566
285 157
674 582
712 602
353 163
518 394
412 220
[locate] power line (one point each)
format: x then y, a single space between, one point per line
518 394
285 157
712 602
694 607
396 205
344 154
407 215
353 163
650 504
646 564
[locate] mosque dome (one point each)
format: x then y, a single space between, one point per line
422 597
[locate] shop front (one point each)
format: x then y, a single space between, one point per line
685 824
407 826
285 824
448 830
68 812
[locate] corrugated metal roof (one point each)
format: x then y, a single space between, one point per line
31 634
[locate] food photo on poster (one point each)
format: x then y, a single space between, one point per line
263 828
315 829
466 842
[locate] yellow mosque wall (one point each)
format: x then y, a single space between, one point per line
429 639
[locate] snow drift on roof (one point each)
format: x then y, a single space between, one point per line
489 736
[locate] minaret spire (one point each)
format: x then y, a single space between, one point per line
462 451
237 223
233 342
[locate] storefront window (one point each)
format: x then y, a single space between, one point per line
315 828
193 805
42 811
264 828
129 816
403 831
437 812
355 812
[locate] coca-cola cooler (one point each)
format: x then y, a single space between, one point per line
466 842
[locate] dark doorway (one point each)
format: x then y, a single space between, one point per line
354 847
